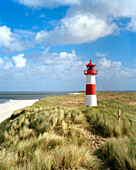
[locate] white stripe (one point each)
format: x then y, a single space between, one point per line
90 79
90 100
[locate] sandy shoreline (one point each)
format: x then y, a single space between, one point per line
7 110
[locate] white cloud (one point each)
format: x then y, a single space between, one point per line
112 75
8 39
1 61
47 3
104 8
90 20
58 65
7 63
103 64
98 54
64 71
118 8
68 67
116 65
127 73
85 21
17 40
5 36
46 71
114 69
24 34
77 29
19 60
132 25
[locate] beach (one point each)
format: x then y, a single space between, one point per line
12 101
7 110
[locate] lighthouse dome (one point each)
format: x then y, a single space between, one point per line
91 64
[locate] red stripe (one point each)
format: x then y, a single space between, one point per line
90 89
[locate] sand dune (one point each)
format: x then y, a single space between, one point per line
7 110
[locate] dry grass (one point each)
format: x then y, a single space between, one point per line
45 138
132 103
119 153
123 96
60 133
69 100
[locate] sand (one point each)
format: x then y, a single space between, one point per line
7 110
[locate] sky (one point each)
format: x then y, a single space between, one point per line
46 44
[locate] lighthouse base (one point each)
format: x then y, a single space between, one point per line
90 100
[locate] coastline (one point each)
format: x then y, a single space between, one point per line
7 110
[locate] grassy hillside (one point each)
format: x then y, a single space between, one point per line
60 133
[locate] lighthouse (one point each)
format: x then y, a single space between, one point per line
90 94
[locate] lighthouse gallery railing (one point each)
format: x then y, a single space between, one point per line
90 72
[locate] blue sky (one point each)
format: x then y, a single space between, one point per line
45 44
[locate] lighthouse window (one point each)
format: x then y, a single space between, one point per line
91 68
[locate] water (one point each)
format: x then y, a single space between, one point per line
11 97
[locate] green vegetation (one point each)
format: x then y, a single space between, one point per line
60 133
119 153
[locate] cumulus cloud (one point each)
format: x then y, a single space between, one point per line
85 21
19 60
107 65
46 71
47 3
118 8
65 70
58 65
17 40
77 29
6 63
112 75
90 20
104 8
8 39
114 69
5 36
64 66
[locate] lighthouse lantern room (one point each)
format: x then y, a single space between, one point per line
90 95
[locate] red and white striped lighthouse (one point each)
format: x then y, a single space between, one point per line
90 95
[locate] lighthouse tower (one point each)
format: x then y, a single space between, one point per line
90 95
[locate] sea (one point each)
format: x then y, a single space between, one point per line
12 97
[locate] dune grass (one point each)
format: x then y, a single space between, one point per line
45 138
51 134
119 153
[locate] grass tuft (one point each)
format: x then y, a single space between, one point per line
60 133
120 153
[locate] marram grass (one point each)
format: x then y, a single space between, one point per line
51 134
119 153
45 138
